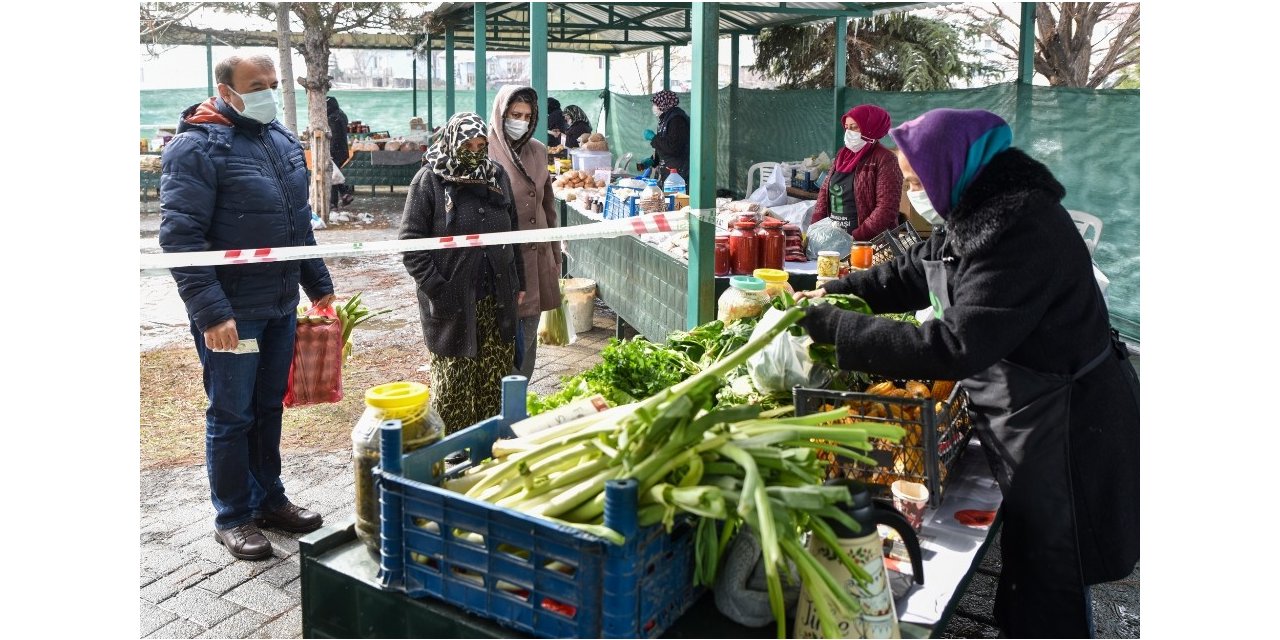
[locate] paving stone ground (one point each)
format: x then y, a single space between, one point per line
190 587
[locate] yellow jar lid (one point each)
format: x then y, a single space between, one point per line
771 275
397 395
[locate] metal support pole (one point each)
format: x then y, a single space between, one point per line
1022 122
841 76
666 67
414 86
1027 43
732 120
702 154
538 62
733 60
431 63
607 83
450 74
481 60
208 60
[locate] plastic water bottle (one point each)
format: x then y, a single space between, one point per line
674 183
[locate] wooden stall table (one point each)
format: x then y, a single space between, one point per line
802 194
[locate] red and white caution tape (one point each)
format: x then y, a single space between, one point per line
160 263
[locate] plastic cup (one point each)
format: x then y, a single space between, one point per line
911 498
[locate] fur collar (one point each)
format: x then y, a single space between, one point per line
997 199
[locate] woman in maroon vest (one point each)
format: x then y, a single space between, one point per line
863 189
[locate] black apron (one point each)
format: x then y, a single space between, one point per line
1023 421
842 209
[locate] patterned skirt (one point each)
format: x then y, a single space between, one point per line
465 391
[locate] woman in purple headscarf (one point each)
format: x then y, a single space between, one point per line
1020 321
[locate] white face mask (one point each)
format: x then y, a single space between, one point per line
656 110
920 201
258 105
515 128
853 140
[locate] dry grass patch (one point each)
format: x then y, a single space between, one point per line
172 403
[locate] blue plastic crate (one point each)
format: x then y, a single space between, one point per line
646 583
616 208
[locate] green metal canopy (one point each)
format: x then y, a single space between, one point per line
613 28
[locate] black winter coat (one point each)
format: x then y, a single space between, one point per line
228 182
574 132
555 120
1022 290
449 280
672 140
338 146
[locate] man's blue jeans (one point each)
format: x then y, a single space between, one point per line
242 423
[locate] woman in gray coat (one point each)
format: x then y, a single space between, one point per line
467 296
513 146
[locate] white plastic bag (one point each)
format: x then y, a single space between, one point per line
554 327
824 235
336 176
783 363
774 190
797 214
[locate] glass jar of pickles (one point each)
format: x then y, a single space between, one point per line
828 264
403 401
775 281
745 298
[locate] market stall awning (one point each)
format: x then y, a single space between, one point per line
183 35
608 28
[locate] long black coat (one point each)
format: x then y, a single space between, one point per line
449 279
671 141
338 147
1023 290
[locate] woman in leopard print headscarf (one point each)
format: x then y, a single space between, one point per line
467 297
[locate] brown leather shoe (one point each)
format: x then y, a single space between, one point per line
245 542
291 517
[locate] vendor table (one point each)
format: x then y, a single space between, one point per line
341 597
382 168
644 285
802 194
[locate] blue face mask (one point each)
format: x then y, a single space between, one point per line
258 105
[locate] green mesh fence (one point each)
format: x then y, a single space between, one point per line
1089 139
383 110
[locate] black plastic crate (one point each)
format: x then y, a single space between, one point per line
937 433
893 243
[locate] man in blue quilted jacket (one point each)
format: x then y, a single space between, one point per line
235 178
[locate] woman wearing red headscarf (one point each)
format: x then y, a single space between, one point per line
864 187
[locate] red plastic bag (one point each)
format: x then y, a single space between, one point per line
315 375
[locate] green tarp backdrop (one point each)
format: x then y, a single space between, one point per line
1090 139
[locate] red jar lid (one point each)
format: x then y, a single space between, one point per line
745 224
774 223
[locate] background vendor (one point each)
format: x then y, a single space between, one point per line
863 189
578 124
671 141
